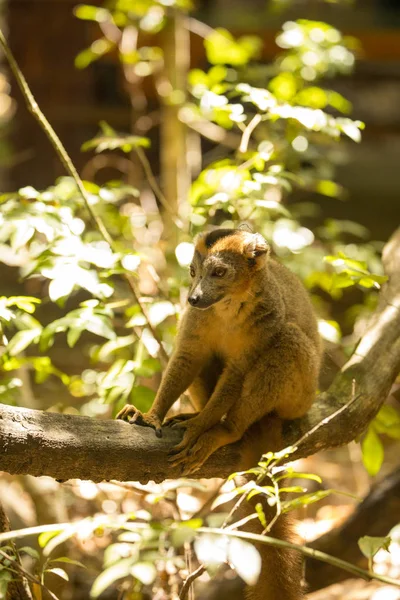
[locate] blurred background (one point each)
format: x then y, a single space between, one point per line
46 37
84 68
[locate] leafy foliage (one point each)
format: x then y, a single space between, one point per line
288 127
386 422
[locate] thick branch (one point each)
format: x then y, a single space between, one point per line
67 446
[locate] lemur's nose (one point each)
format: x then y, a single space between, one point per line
194 299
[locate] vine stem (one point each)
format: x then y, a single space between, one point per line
256 120
310 552
189 580
71 170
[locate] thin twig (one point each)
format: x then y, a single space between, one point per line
243 521
189 580
244 143
155 187
27 575
309 552
322 423
70 168
20 533
278 513
207 504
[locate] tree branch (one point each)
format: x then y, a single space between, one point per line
68 446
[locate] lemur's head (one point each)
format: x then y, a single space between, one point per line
224 263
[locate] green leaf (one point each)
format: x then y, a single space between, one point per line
117 571
57 571
5 578
46 536
221 47
387 417
91 13
113 141
305 500
372 452
22 234
69 561
32 552
26 303
22 339
370 545
185 531
261 514
295 474
58 539
328 188
99 48
341 280
101 326
73 335
181 535
393 431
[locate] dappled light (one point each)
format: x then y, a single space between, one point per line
199 313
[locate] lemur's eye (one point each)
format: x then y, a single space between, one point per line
219 272
192 271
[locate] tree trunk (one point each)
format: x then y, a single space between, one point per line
171 87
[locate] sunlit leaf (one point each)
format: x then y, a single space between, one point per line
370 545
261 514
297 475
245 559
111 140
145 572
221 47
109 576
99 48
305 500
60 287
22 339
91 13
211 550
26 303
181 535
57 571
372 452
69 561
46 536
56 540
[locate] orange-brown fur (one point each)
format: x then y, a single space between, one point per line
248 346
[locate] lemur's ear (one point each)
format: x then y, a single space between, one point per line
256 247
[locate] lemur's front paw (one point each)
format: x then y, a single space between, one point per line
177 419
132 415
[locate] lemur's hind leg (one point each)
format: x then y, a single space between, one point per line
284 380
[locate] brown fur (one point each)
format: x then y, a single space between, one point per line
253 349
